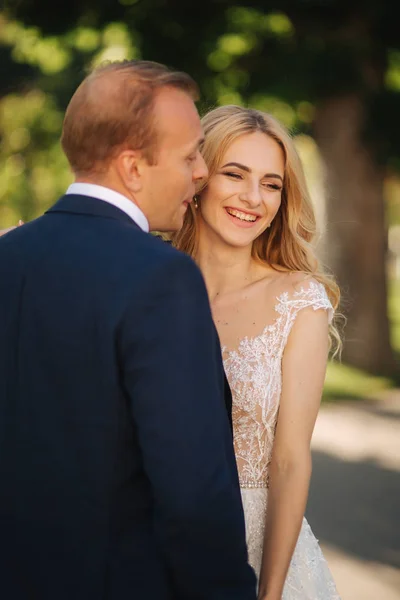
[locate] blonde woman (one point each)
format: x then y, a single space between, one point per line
250 230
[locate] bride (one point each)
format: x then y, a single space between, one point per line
251 232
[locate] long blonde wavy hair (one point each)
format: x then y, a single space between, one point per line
289 243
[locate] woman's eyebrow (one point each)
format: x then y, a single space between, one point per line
248 170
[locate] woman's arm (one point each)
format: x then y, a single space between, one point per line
3 231
303 374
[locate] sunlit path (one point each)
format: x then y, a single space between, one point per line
355 492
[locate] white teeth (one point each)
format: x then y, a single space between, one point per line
240 215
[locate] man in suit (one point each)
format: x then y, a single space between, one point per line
118 477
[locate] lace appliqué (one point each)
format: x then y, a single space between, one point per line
254 374
309 577
255 378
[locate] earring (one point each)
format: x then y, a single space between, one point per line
196 201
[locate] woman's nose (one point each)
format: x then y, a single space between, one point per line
252 195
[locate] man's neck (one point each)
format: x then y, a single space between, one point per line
112 196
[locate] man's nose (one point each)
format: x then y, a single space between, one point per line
201 169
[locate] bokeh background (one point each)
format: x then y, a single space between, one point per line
330 70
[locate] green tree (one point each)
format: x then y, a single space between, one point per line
329 68
349 52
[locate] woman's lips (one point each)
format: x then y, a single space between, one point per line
241 222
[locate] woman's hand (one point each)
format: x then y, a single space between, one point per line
3 231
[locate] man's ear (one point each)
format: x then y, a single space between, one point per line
130 164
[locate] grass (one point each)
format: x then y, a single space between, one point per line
345 382
394 313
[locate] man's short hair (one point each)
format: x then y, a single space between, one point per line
112 109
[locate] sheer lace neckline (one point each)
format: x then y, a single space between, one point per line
254 372
283 302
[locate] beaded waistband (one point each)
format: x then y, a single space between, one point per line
252 484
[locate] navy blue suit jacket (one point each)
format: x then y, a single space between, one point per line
117 472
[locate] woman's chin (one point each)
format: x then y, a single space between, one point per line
239 241
241 237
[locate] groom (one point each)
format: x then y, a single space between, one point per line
117 472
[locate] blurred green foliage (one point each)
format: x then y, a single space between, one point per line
33 169
284 57
346 382
276 56
394 313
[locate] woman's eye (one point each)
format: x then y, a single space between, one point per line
234 175
272 186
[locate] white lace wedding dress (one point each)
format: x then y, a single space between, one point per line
254 374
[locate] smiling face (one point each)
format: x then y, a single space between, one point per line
244 194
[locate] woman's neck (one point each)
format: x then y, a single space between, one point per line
225 268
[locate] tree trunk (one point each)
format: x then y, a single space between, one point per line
356 235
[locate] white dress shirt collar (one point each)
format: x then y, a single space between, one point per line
112 197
